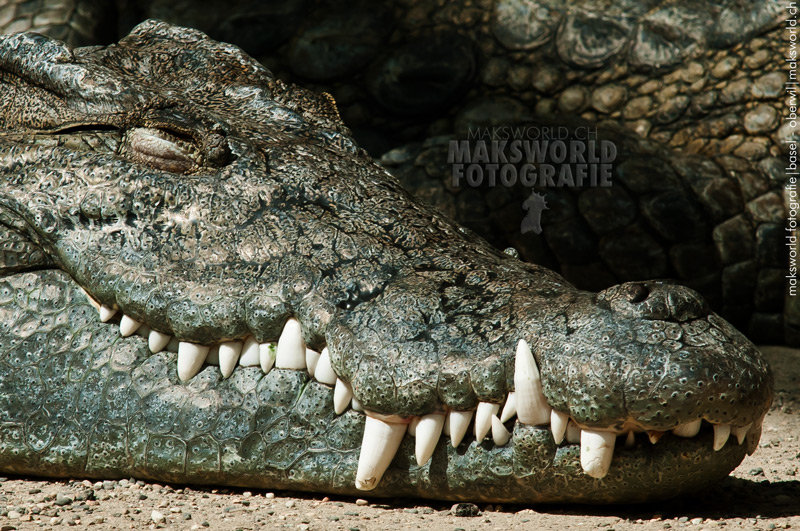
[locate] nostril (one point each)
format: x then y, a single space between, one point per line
636 292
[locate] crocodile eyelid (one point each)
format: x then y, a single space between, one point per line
161 150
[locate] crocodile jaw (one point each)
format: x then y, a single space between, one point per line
414 278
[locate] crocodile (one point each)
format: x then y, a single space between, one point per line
207 281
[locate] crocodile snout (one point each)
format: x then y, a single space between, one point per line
654 300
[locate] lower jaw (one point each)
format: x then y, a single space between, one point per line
305 446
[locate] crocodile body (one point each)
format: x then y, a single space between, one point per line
174 184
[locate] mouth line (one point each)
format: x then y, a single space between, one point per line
489 423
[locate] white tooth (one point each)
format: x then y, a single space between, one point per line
172 346
342 394
740 432
459 422
573 433
157 341
212 358
378 448
558 424
630 440
229 352
597 448
143 331
251 355
190 359
266 356
483 419
291 348
412 426
721 434
128 325
355 405
655 436
106 313
323 372
510 408
754 436
690 429
499 432
428 431
312 357
532 408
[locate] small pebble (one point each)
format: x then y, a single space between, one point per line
157 517
62 499
290 504
361 502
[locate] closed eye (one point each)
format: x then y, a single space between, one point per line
162 150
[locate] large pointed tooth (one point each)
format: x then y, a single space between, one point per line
558 424
721 434
378 448
323 372
342 394
573 433
597 449
459 423
532 408
412 426
106 313
740 432
754 436
157 341
500 434
312 358
128 325
483 419
690 429
212 358
291 348
229 353
510 407
267 356
190 359
251 353
428 431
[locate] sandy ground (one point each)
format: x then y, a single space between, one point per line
763 493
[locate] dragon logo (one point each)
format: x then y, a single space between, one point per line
535 204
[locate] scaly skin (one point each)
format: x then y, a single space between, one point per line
697 87
173 178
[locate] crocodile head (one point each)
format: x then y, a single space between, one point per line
230 218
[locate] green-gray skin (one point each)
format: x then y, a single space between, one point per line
265 209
